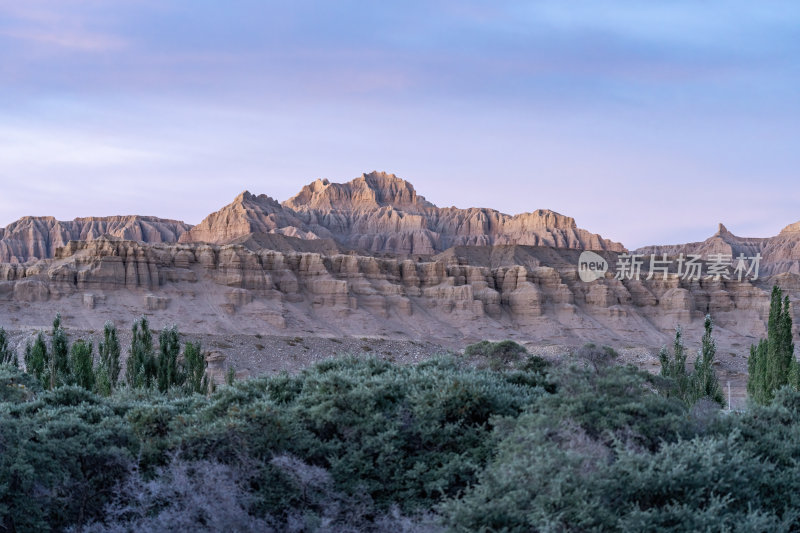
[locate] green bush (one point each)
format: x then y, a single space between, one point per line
61 458
400 434
17 386
361 444
499 355
7 354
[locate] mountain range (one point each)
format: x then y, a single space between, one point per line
371 257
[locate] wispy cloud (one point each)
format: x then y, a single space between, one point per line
85 41
57 147
583 107
65 25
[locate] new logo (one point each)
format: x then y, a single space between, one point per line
591 266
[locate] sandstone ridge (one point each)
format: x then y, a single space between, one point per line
779 254
379 212
33 238
467 293
372 257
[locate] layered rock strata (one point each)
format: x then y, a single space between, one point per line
522 292
34 238
380 212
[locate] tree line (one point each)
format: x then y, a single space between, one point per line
771 366
54 362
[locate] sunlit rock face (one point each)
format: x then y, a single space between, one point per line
373 257
379 212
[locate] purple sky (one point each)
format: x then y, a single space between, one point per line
648 122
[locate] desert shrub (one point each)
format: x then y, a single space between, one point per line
59 462
617 402
498 355
606 452
595 356
556 477
181 496
535 364
16 385
323 508
360 444
398 434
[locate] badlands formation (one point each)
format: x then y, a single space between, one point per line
371 258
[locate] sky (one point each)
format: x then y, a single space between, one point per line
648 122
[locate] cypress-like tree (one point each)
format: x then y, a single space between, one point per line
704 382
757 388
7 354
59 355
81 361
674 366
195 363
109 350
786 347
141 367
169 346
37 360
772 364
102 383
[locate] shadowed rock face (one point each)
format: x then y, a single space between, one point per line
32 238
380 212
467 293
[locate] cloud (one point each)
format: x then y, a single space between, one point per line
66 25
85 42
56 148
174 107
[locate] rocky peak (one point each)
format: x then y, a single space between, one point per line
379 212
247 214
791 228
368 191
249 200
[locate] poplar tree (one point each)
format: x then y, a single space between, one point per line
81 363
169 346
772 364
141 367
109 367
703 381
195 363
7 354
37 360
674 366
59 355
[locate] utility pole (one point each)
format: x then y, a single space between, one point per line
729 396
